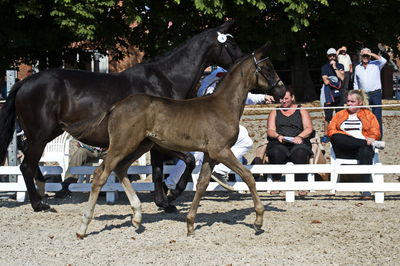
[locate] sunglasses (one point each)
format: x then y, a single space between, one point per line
331 55
366 56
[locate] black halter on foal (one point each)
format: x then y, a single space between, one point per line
259 72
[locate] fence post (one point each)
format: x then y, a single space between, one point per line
11 76
378 179
289 179
111 196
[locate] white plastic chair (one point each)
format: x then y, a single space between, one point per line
339 161
58 151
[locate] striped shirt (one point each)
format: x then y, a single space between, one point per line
353 126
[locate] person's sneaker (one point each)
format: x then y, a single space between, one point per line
64 192
325 139
366 195
221 179
378 144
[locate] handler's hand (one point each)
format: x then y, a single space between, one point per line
269 98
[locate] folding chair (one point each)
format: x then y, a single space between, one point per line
57 150
339 161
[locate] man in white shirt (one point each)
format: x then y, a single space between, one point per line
367 77
345 60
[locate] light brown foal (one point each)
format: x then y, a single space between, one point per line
209 124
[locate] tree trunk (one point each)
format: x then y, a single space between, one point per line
302 83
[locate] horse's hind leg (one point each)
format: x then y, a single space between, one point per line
100 176
202 184
121 172
117 152
228 158
30 170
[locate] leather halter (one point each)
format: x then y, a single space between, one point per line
259 71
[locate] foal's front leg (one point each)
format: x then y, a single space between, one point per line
228 158
202 184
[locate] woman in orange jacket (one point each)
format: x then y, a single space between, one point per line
355 131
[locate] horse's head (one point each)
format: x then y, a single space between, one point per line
266 76
224 51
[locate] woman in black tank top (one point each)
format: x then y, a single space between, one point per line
289 132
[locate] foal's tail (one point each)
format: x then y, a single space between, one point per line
7 122
85 128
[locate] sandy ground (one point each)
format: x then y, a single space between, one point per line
318 230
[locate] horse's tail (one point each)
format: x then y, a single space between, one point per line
85 128
7 121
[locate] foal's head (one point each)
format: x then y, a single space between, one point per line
267 78
225 51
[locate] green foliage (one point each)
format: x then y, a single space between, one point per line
33 30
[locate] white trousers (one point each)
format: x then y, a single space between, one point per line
239 149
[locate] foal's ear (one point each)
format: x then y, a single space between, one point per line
224 28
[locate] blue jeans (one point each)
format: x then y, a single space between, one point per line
375 98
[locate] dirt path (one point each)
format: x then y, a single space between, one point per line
319 230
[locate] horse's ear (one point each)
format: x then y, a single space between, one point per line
262 51
224 28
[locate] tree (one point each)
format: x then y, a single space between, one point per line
300 32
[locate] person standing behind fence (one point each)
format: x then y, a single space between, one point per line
345 60
332 74
354 132
367 77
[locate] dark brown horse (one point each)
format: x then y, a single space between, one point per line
209 124
47 103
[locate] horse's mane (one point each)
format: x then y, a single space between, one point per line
179 47
233 69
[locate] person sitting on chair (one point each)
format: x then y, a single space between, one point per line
288 134
83 155
354 132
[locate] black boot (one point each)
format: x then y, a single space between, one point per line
64 192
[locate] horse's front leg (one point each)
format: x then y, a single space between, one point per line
228 158
160 197
202 184
190 162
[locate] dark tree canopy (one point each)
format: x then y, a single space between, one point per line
299 32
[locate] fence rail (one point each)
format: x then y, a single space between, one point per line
289 185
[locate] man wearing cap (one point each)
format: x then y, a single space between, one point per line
332 74
367 77
344 58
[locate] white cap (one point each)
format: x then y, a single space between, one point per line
331 51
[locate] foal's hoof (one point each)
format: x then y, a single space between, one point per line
136 224
80 236
258 229
171 209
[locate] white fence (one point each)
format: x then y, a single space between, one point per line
289 186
